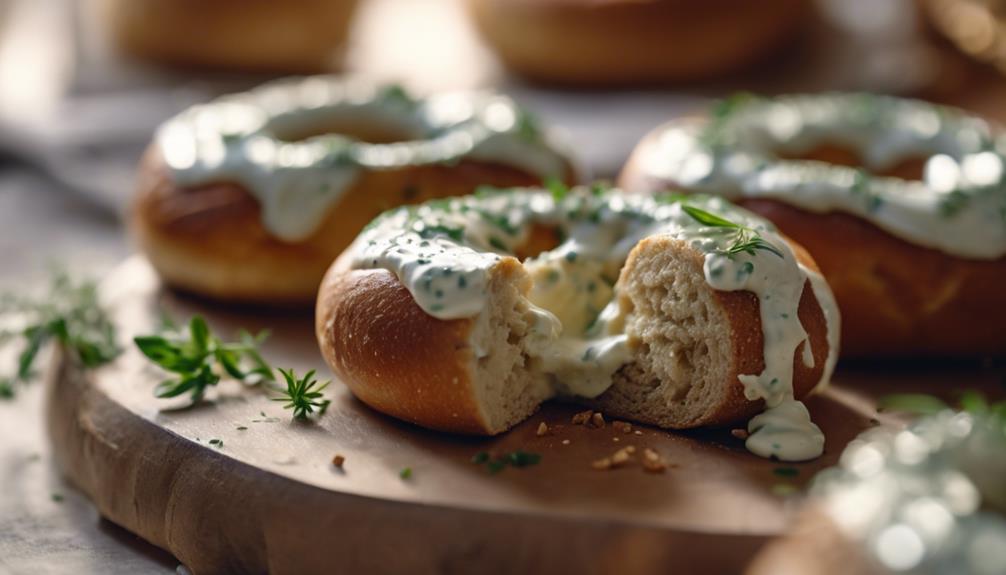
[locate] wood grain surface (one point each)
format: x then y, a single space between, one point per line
269 499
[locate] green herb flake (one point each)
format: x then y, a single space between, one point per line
786 471
303 395
497 463
69 315
405 473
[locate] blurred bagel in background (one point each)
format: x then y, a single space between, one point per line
299 36
628 42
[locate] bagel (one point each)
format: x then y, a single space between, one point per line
901 203
292 36
631 42
251 197
629 304
930 499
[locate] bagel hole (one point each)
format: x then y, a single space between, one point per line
911 168
541 238
357 129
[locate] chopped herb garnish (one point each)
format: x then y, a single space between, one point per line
745 239
200 359
69 314
497 463
303 395
786 471
57 497
406 473
558 189
218 443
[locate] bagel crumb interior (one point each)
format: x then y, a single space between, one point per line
681 351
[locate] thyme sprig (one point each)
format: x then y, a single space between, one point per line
303 394
70 315
199 359
745 240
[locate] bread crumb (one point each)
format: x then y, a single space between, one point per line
623 426
637 432
652 461
338 460
602 464
739 433
615 439
597 420
630 448
542 429
620 457
582 418
565 442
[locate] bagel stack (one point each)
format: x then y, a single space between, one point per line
431 315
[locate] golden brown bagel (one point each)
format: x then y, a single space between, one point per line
210 239
292 36
625 42
211 233
898 298
683 372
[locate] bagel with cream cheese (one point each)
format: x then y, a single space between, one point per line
930 499
251 197
465 314
292 36
630 42
900 202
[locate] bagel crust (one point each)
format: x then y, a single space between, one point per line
620 42
301 36
210 239
918 278
682 362
255 228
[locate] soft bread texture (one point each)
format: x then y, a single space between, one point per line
897 299
691 342
479 376
210 239
255 35
625 42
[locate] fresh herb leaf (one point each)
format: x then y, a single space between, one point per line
558 189
406 473
303 395
708 218
70 315
746 240
194 357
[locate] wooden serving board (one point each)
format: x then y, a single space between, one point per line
270 500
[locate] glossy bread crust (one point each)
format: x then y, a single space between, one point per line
210 239
625 42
